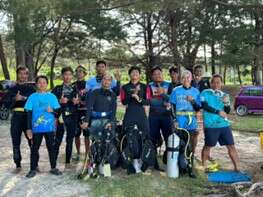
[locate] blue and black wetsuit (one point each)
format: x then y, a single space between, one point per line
19 116
160 115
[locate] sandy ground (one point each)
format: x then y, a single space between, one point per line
45 184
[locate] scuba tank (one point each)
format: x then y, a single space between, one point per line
172 156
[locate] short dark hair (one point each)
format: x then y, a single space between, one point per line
173 69
216 76
41 77
83 69
197 66
134 68
66 69
21 68
101 62
156 68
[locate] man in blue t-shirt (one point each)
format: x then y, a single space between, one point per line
186 102
95 82
41 108
216 105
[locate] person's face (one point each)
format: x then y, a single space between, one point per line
100 69
174 76
186 80
106 82
135 75
22 76
216 83
198 72
157 76
42 85
80 74
67 77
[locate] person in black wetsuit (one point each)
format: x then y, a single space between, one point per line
68 99
174 75
15 99
80 85
101 108
133 95
198 81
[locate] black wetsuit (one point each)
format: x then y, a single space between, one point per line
172 86
135 112
82 107
201 85
102 100
101 109
69 114
19 117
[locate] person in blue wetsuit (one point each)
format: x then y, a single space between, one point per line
95 82
216 106
41 108
160 114
186 102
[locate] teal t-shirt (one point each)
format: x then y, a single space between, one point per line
215 100
38 103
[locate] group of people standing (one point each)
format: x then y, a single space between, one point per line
84 106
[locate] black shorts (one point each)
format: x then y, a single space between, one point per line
79 130
222 135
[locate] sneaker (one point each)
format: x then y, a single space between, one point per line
31 174
76 158
55 171
17 170
38 170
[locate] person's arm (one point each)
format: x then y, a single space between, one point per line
125 97
29 120
114 108
227 109
208 108
116 88
195 105
90 103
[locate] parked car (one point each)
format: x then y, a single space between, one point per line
4 85
249 100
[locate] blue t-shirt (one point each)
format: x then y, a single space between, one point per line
215 100
38 103
179 99
93 84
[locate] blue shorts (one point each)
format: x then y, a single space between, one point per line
222 135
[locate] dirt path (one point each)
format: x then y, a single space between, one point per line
45 184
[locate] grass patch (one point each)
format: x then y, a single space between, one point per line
251 123
153 184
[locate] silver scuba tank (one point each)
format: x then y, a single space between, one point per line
172 156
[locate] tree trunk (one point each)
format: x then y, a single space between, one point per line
52 66
239 74
3 60
213 56
205 59
225 69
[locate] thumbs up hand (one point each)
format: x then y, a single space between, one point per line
76 100
63 99
49 109
19 97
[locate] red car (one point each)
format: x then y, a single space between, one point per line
249 100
